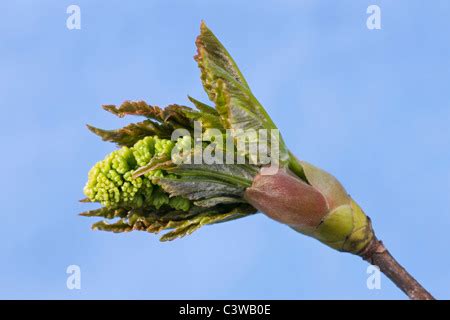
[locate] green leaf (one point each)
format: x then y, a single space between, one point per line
191 225
196 188
227 88
201 181
182 223
207 120
203 107
218 200
237 174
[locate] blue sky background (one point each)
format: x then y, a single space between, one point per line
371 107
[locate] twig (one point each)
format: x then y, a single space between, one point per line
377 254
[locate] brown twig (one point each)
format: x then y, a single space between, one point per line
377 254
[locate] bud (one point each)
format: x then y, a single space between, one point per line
318 207
287 199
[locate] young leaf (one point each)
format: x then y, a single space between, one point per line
132 133
227 88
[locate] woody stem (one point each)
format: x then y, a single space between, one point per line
377 254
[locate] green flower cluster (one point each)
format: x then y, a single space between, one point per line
111 181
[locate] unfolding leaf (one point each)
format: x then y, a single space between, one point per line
237 174
132 133
105 212
183 223
203 107
204 219
218 200
207 120
227 88
135 108
195 188
119 226
173 114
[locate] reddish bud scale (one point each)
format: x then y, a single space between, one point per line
319 207
286 199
